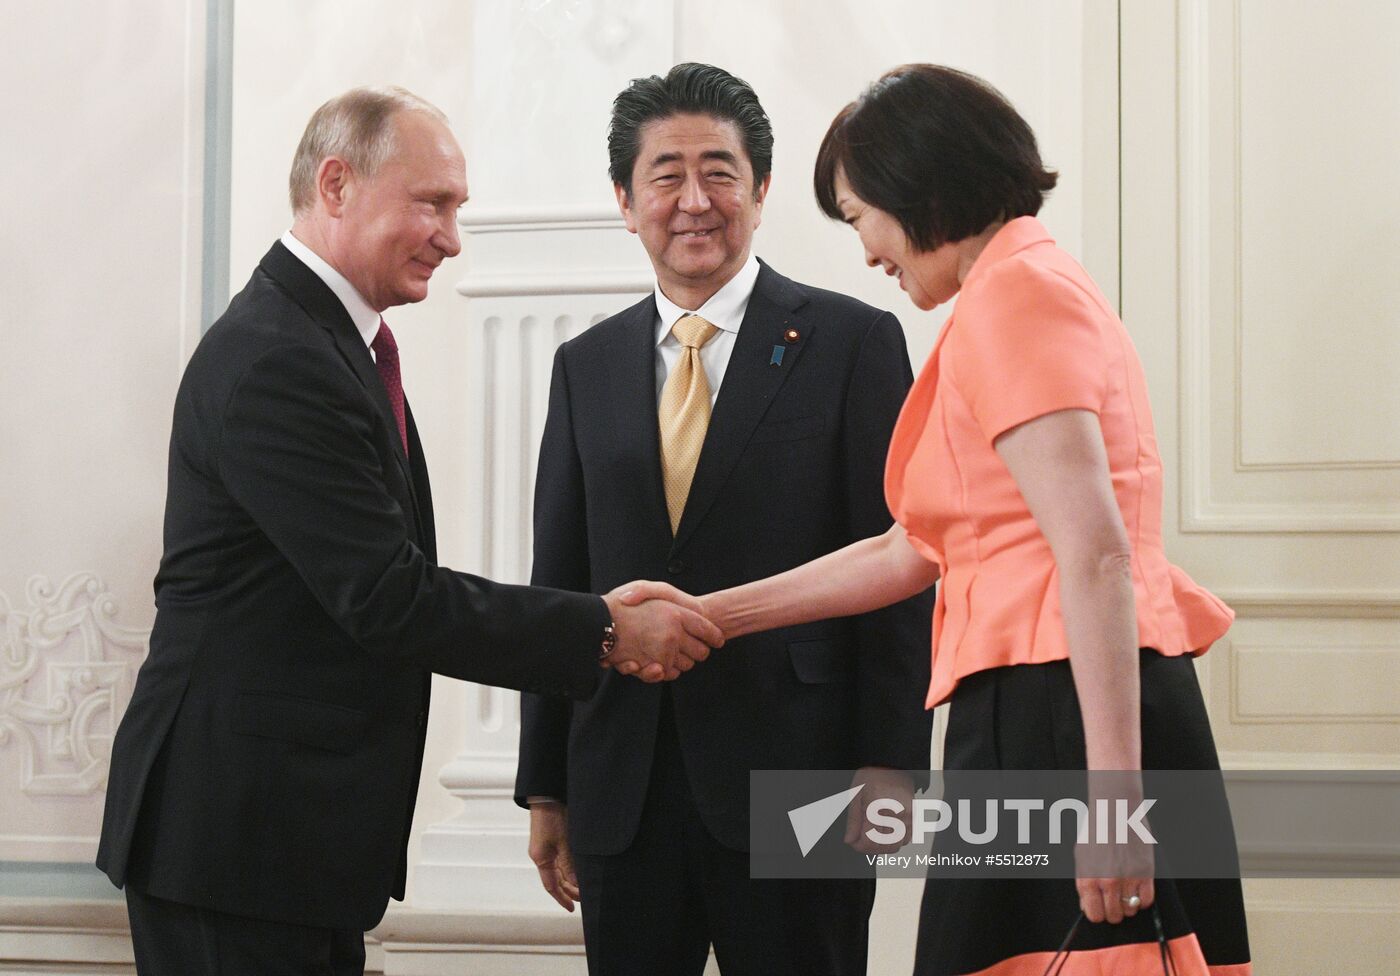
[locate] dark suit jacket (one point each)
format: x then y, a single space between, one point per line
269 760
792 468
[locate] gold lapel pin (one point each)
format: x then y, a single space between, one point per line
792 335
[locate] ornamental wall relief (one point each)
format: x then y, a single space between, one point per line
66 673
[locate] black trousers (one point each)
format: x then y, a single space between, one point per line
655 909
181 940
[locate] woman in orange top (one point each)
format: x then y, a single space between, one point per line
1024 472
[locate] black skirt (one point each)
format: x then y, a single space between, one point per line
1027 717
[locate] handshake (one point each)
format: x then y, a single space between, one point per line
662 632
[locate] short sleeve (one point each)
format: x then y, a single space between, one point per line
1029 342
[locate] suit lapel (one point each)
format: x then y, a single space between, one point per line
316 298
751 384
632 371
422 492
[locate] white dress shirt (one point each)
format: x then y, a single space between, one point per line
724 310
365 318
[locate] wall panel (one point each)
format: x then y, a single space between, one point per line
1259 230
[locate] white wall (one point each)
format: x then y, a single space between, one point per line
99 280
806 60
1260 217
288 59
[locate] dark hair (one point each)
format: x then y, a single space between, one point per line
940 150
699 89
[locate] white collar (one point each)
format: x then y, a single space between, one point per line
365 318
725 308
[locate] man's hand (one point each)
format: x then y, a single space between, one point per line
661 636
549 849
880 782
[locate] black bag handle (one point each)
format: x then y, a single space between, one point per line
1061 956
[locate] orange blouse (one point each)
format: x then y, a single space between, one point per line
1031 334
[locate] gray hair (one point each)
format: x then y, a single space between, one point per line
356 126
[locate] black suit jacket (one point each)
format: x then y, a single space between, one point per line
792 468
269 760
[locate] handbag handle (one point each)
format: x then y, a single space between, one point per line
1061 957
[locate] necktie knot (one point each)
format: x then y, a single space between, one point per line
384 343
692 331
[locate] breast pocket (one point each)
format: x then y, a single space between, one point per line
304 721
789 429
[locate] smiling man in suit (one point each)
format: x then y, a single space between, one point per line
263 777
731 425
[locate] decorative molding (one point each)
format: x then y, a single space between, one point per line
1255 696
1193 259
1243 465
1319 822
1285 764
88 936
66 673
1330 604
1237 148
1215 517
1200 511
486 220
523 284
537 274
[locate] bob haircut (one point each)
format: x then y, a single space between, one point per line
940 150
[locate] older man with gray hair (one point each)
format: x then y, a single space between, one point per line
263 777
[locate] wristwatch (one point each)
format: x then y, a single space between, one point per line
609 641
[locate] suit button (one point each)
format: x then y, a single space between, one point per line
675 566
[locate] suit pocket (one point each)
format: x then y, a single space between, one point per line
819 662
304 721
789 429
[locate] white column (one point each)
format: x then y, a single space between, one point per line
548 256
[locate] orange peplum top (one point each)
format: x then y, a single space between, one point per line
1031 334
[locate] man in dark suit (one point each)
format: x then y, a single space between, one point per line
263 778
728 427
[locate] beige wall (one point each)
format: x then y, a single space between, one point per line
1259 247
99 298
807 60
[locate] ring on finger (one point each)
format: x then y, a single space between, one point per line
1132 901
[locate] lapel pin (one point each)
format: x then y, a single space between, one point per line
777 359
791 335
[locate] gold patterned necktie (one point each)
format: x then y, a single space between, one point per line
684 414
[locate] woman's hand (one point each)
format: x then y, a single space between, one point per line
1114 863
1112 899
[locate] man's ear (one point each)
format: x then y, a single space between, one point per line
333 178
624 206
760 193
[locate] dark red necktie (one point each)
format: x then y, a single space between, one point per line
386 360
